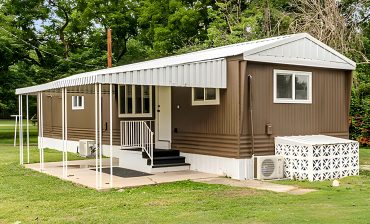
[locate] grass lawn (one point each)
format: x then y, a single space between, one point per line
29 197
365 156
7 132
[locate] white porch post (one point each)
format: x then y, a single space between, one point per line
66 130
63 134
100 140
39 125
96 136
20 130
42 132
111 135
28 131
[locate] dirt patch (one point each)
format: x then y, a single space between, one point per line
301 191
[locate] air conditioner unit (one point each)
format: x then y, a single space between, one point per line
268 167
86 147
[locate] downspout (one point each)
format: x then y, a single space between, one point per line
250 100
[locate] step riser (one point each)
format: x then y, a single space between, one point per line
166 161
162 153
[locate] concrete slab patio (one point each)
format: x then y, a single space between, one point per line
82 172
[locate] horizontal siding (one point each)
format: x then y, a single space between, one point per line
75 134
328 113
81 123
211 129
207 144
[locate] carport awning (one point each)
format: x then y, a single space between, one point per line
207 74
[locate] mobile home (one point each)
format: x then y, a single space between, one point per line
210 110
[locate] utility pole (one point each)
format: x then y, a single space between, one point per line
109 47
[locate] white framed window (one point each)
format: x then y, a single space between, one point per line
134 101
205 96
78 102
292 86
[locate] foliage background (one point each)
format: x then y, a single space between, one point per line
44 40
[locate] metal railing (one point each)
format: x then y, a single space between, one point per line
138 134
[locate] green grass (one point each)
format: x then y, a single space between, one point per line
7 132
365 156
29 197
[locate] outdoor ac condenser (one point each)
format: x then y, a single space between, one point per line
85 147
268 167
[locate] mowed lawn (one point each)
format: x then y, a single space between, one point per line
30 197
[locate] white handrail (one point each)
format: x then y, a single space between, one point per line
138 134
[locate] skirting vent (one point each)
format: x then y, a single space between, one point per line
318 157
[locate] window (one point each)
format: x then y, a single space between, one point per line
292 86
77 102
134 101
205 96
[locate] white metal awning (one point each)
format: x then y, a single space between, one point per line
207 74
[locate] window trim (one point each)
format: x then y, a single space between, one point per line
150 114
82 104
293 100
204 101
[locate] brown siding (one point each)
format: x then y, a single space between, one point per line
328 113
224 130
210 129
81 123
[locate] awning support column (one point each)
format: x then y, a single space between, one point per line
39 125
41 133
20 130
111 135
96 136
66 131
100 140
28 131
63 134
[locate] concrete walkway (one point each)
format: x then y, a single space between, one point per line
365 167
82 172
256 184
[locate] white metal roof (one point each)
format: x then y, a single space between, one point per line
207 68
312 140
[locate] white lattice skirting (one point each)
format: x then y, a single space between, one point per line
320 161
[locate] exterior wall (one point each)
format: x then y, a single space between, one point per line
211 129
224 130
328 113
81 123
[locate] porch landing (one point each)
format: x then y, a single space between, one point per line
82 172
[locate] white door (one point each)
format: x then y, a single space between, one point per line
163 117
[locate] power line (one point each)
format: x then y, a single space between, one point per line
46 52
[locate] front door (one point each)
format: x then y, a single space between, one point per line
163 117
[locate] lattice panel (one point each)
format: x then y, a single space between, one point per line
319 162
